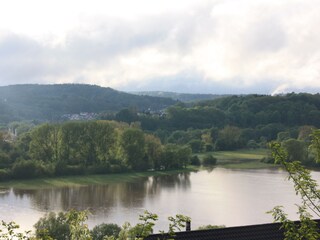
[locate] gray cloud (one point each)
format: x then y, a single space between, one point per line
261 47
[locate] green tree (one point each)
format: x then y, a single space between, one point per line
104 230
229 138
133 145
65 226
183 156
296 150
196 145
44 143
78 229
209 160
306 188
153 151
54 226
195 160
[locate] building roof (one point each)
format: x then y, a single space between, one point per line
270 231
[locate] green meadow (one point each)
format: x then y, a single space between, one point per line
241 159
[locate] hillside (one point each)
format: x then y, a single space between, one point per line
183 97
249 111
50 102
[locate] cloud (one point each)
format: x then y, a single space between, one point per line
233 45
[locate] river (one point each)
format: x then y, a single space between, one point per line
218 196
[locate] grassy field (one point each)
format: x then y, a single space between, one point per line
85 180
240 159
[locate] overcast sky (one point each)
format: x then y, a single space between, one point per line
197 46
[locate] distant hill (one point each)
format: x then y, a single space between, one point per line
50 102
249 111
183 97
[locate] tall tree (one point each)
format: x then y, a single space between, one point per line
133 145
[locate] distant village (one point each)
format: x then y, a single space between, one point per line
81 116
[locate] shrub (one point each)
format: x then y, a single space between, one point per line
209 160
115 168
54 226
30 169
63 169
195 161
100 168
205 227
252 144
102 230
268 159
4 160
5 174
209 147
196 145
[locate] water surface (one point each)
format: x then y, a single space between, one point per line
218 196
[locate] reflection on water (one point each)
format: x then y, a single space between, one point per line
218 196
97 197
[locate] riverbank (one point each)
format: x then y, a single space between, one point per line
85 180
240 159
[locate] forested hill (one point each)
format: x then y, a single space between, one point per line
249 111
47 102
183 97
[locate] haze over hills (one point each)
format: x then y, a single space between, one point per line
183 97
50 102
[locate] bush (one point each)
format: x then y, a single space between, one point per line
205 227
30 169
4 160
195 161
5 174
100 169
115 168
63 169
209 147
252 144
54 226
268 159
196 145
209 160
102 230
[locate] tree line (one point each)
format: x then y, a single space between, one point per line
248 111
87 147
230 122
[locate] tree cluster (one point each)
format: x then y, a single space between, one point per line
86 147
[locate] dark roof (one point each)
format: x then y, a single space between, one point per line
270 231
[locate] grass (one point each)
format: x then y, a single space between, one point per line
240 159
85 180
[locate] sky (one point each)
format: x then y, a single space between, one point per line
192 46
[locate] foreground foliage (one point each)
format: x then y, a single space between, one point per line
306 187
71 226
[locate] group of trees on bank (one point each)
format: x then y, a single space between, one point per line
87 147
297 146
